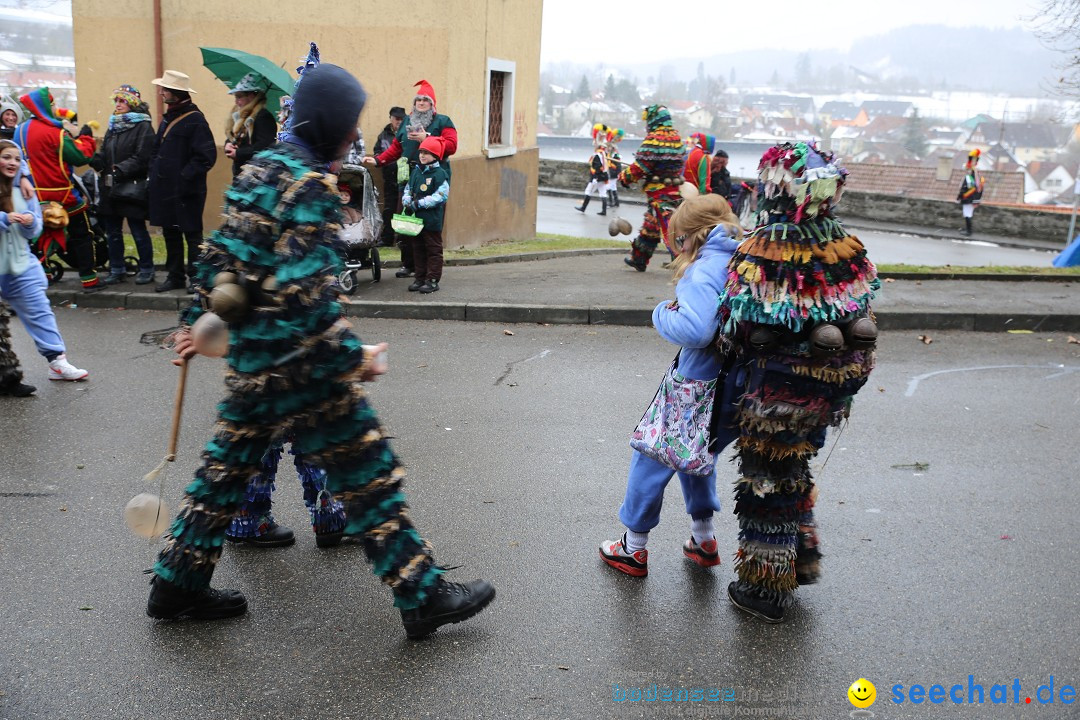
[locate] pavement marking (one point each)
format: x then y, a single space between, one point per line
510 368
914 383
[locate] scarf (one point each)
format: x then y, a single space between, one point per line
243 120
125 121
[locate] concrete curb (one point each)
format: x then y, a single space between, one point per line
579 315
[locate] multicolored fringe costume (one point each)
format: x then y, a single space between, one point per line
798 270
294 366
10 370
659 161
255 515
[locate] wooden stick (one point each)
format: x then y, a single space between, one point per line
178 406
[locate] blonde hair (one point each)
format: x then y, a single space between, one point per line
242 121
691 224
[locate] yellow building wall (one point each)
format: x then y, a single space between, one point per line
377 41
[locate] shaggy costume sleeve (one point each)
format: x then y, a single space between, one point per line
631 174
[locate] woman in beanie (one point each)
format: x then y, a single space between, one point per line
251 126
122 161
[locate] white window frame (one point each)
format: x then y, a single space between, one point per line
507 147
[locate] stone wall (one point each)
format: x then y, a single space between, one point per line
989 219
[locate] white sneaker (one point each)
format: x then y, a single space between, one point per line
61 369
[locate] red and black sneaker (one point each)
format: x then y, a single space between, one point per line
615 554
705 554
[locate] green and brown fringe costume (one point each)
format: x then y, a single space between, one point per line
294 366
659 162
796 271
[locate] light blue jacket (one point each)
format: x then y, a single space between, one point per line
693 321
15 256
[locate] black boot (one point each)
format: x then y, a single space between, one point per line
614 198
584 204
17 388
169 601
448 603
277 536
967 226
603 207
750 602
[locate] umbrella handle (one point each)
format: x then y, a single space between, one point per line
178 406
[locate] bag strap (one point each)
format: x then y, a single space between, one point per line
174 122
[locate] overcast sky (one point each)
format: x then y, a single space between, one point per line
626 31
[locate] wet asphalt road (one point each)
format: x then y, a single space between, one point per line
516 451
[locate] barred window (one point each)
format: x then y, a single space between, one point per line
499 112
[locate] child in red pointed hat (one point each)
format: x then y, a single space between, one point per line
425 195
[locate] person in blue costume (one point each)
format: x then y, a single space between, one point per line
295 370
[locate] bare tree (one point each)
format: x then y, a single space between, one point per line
1057 25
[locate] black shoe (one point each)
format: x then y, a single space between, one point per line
416 285
277 536
754 604
404 273
169 285
333 539
17 389
637 266
171 602
113 279
145 277
96 287
429 287
449 603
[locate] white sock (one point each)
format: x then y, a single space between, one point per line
636 541
702 529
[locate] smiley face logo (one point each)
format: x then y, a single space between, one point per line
862 693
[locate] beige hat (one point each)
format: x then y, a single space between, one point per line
174 80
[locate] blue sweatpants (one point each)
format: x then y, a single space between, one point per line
640 511
25 293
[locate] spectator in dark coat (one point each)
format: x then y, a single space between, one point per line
720 176
391 197
122 161
184 152
251 126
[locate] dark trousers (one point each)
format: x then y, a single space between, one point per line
174 253
427 252
391 202
114 232
80 248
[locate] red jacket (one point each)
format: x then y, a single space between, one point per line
51 152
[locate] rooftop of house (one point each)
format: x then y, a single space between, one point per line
891 108
840 110
1015 134
918 181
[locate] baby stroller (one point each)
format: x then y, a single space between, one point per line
362 227
54 270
